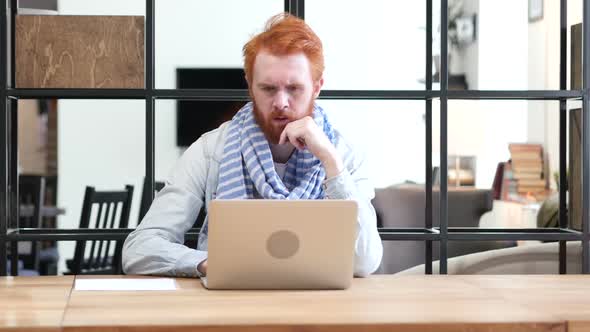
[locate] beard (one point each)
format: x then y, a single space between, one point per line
271 131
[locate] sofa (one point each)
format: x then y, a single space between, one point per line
403 206
528 259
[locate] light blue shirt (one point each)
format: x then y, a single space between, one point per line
157 247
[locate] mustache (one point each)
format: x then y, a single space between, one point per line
280 113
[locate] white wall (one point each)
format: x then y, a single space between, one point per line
543 58
497 61
503 37
372 45
471 52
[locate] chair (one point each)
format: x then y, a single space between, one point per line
146 200
31 194
113 212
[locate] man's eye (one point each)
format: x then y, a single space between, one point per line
268 89
293 88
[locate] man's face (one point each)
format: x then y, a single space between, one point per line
282 90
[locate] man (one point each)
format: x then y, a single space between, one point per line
279 146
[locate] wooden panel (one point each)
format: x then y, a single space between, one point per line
575 134
378 303
79 51
33 303
52 142
576 57
575 169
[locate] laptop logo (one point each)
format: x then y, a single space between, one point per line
282 244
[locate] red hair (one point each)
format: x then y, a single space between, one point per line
285 34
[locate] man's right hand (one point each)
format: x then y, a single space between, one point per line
202 268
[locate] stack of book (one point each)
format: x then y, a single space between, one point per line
522 178
527 168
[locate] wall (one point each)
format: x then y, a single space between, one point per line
470 53
376 45
497 61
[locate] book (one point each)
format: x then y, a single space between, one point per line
518 147
527 160
527 157
532 183
526 152
528 169
526 179
527 175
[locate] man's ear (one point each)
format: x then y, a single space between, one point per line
317 87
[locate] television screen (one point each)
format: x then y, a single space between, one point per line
196 117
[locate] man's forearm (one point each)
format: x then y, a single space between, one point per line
147 252
332 163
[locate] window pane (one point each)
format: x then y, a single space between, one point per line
202 33
101 143
390 133
371 45
514 45
518 179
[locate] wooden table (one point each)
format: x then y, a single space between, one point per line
33 303
566 297
378 303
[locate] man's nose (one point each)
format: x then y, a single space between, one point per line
281 100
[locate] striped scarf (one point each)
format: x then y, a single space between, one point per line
247 166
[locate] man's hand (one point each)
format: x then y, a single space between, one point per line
305 133
202 267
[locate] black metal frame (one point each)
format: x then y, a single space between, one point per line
442 234
563 222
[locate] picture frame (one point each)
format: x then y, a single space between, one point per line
535 10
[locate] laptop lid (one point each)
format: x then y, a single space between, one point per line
281 244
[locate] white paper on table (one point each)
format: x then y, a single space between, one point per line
147 284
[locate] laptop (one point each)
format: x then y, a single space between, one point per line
281 244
